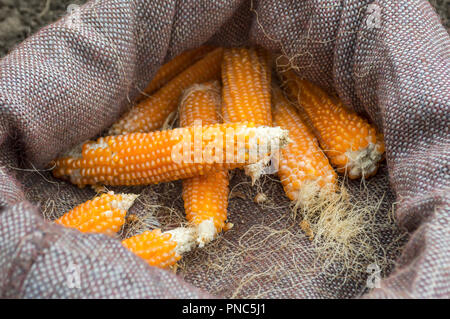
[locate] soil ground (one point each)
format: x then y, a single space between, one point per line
21 18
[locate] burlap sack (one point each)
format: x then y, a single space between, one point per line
389 60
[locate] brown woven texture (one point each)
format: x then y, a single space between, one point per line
74 78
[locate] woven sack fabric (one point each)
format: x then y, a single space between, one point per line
388 60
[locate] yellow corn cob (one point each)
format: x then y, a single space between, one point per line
200 102
175 66
161 156
161 249
205 197
246 86
350 142
103 214
303 167
150 114
246 79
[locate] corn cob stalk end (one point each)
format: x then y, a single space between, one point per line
364 162
273 140
206 232
185 237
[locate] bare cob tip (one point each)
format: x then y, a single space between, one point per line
206 232
364 162
185 237
126 202
272 139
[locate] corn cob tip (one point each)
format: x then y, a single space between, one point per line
364 162
206 232
271 139
256 170
185 237
274 139
126 202
213 86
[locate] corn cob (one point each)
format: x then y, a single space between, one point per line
161 249
205 197
246 79
350 142
103 214
201 102
303 167
150 114
246 86
161 156
175 66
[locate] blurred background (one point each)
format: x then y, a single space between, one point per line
21 18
